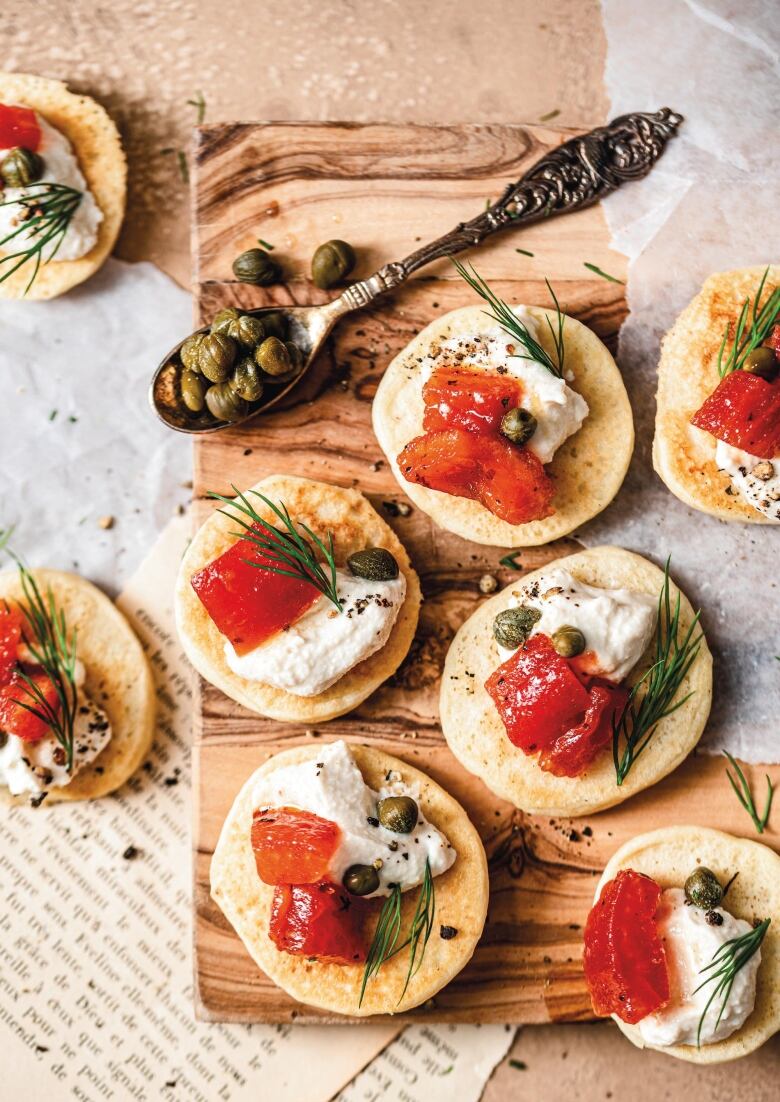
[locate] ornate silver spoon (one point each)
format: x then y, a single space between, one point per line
576 174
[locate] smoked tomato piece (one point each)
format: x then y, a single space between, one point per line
508 480
546 710
318 920
247 603
475 401
293 846
744 411
17 720
624 958
11 624
18 126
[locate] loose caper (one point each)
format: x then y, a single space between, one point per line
246 330
703 889
189 351
568 641
296 356
193 391
256 266
374 563
518 425
272 356
246 380
275 325
21 167
761 361
361 879
216 355
398 813
224 404
331 263
512 627
223 318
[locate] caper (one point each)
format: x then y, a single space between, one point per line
193 391
188 353
518 425
568 641
256 266
398 813
224 404
272 356
246 380
275 325
331 263
21 167
216 355
296 356
374 563
512 627
703 889
223 318
361 879
761 361
246 330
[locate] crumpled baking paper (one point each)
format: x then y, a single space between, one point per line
88 475
709 205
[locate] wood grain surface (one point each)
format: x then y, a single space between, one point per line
387 189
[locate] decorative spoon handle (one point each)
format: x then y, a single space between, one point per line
576 174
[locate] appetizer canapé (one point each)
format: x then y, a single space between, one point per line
681 945
77 698
356 883
717 435
297 599
63 178
544 694
510 428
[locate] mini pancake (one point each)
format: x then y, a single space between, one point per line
669 856
461 901
477 737
118 679
683 455
98 149
355 525
588 468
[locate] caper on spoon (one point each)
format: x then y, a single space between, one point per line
575 174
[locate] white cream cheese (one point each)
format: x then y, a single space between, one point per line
690 943
617 623
332 787
60 167
559 410
313 653
756 479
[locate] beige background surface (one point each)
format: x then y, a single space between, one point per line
462 60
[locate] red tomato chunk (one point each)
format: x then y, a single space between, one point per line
318 920
18 126
293 846
744 411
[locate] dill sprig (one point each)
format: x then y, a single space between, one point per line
54 650
388 929
751 330
600 272
199 103
289 553
745 796
512 325
727 960
652 698
47 211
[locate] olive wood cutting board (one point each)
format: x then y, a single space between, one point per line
387 189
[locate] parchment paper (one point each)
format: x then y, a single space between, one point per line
710 205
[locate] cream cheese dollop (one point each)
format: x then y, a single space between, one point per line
559 410
310 655
59 167
332 787
757 480
617 623
690 943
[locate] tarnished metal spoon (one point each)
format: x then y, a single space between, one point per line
576 174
